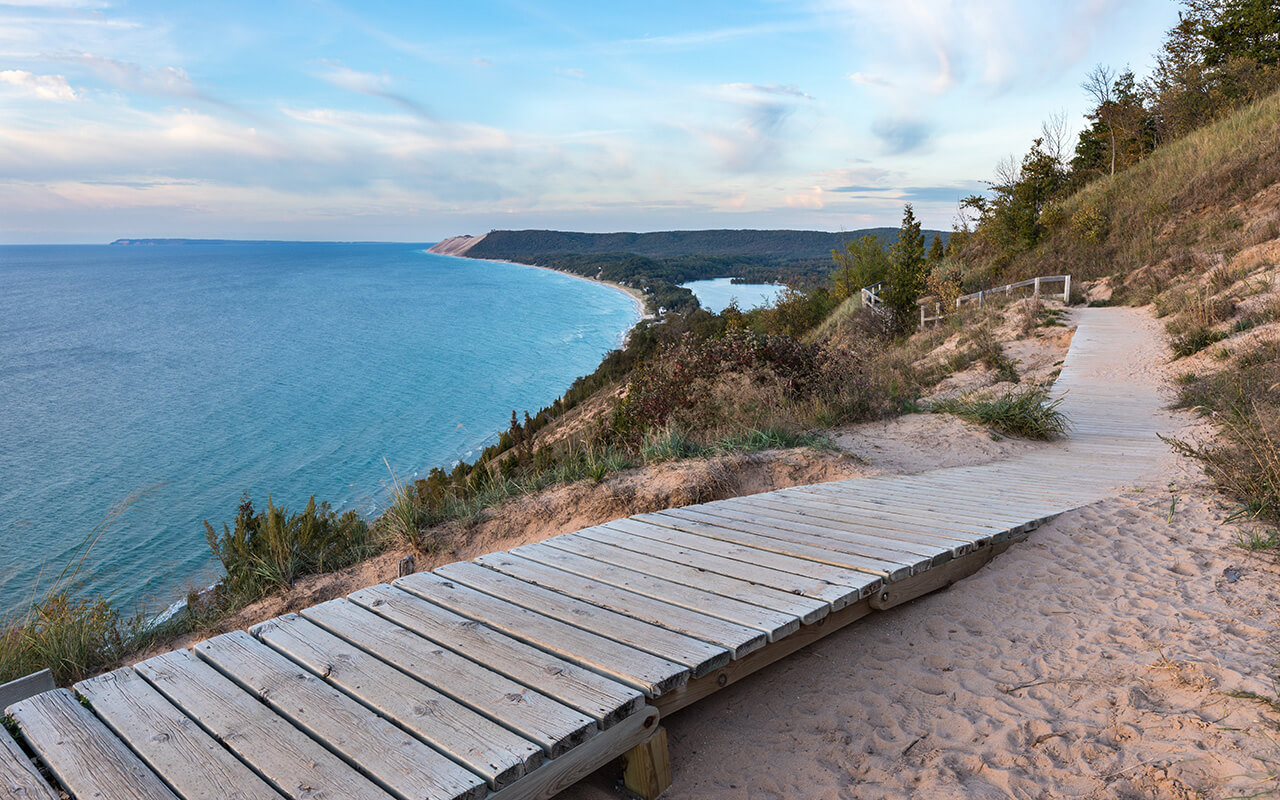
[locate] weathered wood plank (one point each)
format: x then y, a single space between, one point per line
832 597
294 763
893 500
603 699
558 775
482 746
551 725
189 760
690 654
86 758
774 624
866 527
19 778
744 534
794 604
392 758
26 686
863 582
739 639
870 551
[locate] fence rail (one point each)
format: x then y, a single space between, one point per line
982 294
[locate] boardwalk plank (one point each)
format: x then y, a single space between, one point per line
19 778
774 624
294 763
482 746
189 760
601 698
392 758
870 522
693 655
832 597
794 604
738 639
86 758
864 583
551 725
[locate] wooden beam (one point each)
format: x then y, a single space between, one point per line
647 773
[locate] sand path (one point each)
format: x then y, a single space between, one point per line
1103 657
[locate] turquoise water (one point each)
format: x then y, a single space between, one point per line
715 294
203 371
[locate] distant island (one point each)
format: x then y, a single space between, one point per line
657 263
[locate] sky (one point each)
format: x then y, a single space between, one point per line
337 120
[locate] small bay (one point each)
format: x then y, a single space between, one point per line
716 294
203 371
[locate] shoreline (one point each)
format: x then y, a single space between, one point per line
638 297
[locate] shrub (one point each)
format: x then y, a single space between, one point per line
270 549
1246 462
1193 341
1027 412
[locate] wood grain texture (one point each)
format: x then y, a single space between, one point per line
19 778
551 725
479 744
294 763
191 761
392 758
598 697
86 758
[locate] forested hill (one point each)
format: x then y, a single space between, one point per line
777 244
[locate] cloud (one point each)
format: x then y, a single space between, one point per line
863 79
571 73
697 39
936 45
902 135
44 87
755 140
373 85
810 198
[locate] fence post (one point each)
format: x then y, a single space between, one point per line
922 315
1037 290
979 298
1066 289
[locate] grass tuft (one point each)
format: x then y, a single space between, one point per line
1024 412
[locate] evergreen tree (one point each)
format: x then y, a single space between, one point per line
936 251
907 272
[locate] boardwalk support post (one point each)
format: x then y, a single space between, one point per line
648 767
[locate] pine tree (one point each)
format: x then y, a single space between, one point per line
906 272
936 251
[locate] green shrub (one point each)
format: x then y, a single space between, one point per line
1026 412
1193 341
269 550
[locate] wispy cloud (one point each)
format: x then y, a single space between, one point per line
864 79
900 135
755 140
689 39
374 85
44 87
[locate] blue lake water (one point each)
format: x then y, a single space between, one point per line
204 371
716 294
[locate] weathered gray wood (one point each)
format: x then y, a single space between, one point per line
774 624
831 596
600 698
294 763
790 537
581 761
745 535
863 582
24 687
189 760
86 758
739 639
19 778
828 520
551 725
794 604
482 746
398 762
689 653
567 641
895 500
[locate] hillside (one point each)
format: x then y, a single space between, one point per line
778 244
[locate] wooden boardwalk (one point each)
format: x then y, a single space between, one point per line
514 675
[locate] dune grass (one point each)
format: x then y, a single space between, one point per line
1026 412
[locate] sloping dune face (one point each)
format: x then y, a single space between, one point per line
455 245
